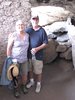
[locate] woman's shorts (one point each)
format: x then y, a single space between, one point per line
36 66
23 68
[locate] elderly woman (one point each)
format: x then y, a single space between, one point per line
18 43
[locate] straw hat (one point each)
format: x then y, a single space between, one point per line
15 71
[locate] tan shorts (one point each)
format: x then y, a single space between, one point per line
23 68
36 66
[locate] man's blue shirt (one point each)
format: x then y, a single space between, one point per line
37 38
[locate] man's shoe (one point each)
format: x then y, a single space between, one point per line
38 88
16 93
24 89
30 84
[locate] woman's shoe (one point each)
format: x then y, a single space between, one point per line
24 89
16 93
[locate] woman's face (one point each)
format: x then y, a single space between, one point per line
19 26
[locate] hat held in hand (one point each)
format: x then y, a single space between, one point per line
12 71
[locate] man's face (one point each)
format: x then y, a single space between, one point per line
34 21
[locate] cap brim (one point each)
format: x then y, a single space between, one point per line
35 17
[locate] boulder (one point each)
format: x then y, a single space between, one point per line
50 53
59 26
62 38
49 14
61 48
67 54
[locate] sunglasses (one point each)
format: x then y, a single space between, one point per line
35 18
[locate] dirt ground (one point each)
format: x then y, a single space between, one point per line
57 84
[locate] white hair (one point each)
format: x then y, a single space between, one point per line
19 22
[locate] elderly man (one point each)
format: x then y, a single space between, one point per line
38 41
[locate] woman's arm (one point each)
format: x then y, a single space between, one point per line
9 46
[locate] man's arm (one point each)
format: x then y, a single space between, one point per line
38 48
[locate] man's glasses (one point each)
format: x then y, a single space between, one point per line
35 18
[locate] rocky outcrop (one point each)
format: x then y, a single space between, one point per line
50 14
56 49
50 53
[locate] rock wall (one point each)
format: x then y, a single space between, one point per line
10 11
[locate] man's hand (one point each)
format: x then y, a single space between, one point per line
33 51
